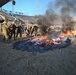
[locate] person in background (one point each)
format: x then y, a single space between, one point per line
19 31
4 31
23 28
14 30
68 41
10 32
35 30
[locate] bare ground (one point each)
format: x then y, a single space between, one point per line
56 62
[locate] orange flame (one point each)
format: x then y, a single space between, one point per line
42 37
67 33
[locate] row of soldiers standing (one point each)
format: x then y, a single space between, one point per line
10 31
13 30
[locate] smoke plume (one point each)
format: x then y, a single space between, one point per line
67 7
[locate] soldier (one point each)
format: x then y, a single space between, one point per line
4 31
19 31
14 30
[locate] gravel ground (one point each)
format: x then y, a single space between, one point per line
56 62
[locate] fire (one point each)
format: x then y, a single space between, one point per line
39 38
67 33
74 32
42 37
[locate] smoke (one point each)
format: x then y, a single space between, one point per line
50 13
49 17
63 9
67 7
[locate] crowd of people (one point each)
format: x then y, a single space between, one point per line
9 31
13 31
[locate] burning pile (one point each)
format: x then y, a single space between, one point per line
42 44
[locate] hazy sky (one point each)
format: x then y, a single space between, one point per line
28 7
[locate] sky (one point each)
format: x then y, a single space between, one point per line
29 7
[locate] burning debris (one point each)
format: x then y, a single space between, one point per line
43 43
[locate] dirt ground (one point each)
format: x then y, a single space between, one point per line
56 62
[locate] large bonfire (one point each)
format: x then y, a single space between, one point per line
45 42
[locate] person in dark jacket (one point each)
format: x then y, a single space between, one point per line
19 31
10 32
14 30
